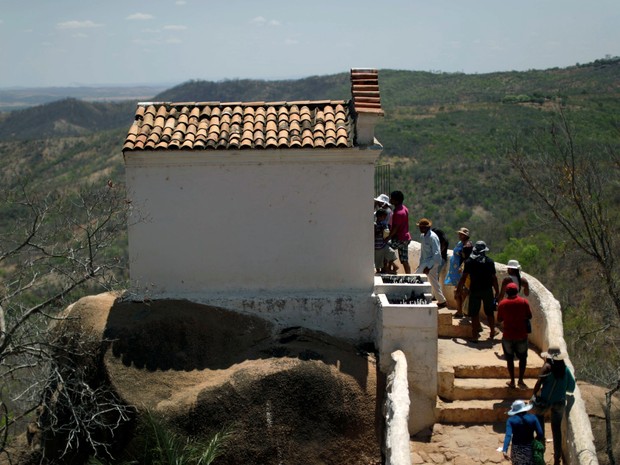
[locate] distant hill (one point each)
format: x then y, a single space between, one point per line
332 87
18 98
65 118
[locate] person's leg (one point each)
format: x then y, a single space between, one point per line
557 413
433 278
489 311
510 361
521 351
474 313
403 256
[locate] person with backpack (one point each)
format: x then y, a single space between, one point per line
483 288
554 383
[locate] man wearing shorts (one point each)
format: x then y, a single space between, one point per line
399 233
483 288
514 311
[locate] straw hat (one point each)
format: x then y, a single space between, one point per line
553 353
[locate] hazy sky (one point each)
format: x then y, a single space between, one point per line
91 42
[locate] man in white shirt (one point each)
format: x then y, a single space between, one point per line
430 259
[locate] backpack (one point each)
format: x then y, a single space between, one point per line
538 452
443 242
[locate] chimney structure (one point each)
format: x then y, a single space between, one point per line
366 101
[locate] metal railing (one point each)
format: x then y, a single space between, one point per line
382 179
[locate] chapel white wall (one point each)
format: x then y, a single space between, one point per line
280 234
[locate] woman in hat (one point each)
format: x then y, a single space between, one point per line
555 381
462 251
514 276
520 428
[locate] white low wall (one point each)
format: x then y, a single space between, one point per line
346 314
397 448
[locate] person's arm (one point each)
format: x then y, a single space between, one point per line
540 434
496 286
459 286
507 438
525 286
544 371
503 289
500 313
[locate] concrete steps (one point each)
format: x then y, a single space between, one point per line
472 380
473 411
487 389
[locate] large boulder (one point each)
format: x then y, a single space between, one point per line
291 395
594 398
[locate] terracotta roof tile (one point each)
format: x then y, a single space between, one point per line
254 125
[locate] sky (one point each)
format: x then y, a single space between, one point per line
168 42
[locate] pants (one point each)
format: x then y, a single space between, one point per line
433 278
557 414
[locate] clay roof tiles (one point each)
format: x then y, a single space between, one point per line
255 125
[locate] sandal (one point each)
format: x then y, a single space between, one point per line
510 384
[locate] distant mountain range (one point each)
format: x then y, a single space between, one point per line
76 111
18 98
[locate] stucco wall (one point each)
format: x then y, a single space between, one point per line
412 330
225 222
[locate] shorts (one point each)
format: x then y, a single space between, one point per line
384 254
515 348
484 297
403 250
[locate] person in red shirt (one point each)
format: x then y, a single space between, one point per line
514 312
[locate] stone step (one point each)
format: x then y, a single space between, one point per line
486 389
495 371
447 326
472 411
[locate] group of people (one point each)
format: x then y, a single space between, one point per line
472 272
392 236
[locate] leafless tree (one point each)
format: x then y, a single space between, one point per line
578 183
56 247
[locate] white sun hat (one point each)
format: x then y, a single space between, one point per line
519 406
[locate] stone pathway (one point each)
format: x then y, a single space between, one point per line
465 445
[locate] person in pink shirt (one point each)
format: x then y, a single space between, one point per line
399 234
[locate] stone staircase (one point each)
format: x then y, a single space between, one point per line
472 377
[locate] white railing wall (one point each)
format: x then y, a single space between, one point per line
396 447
